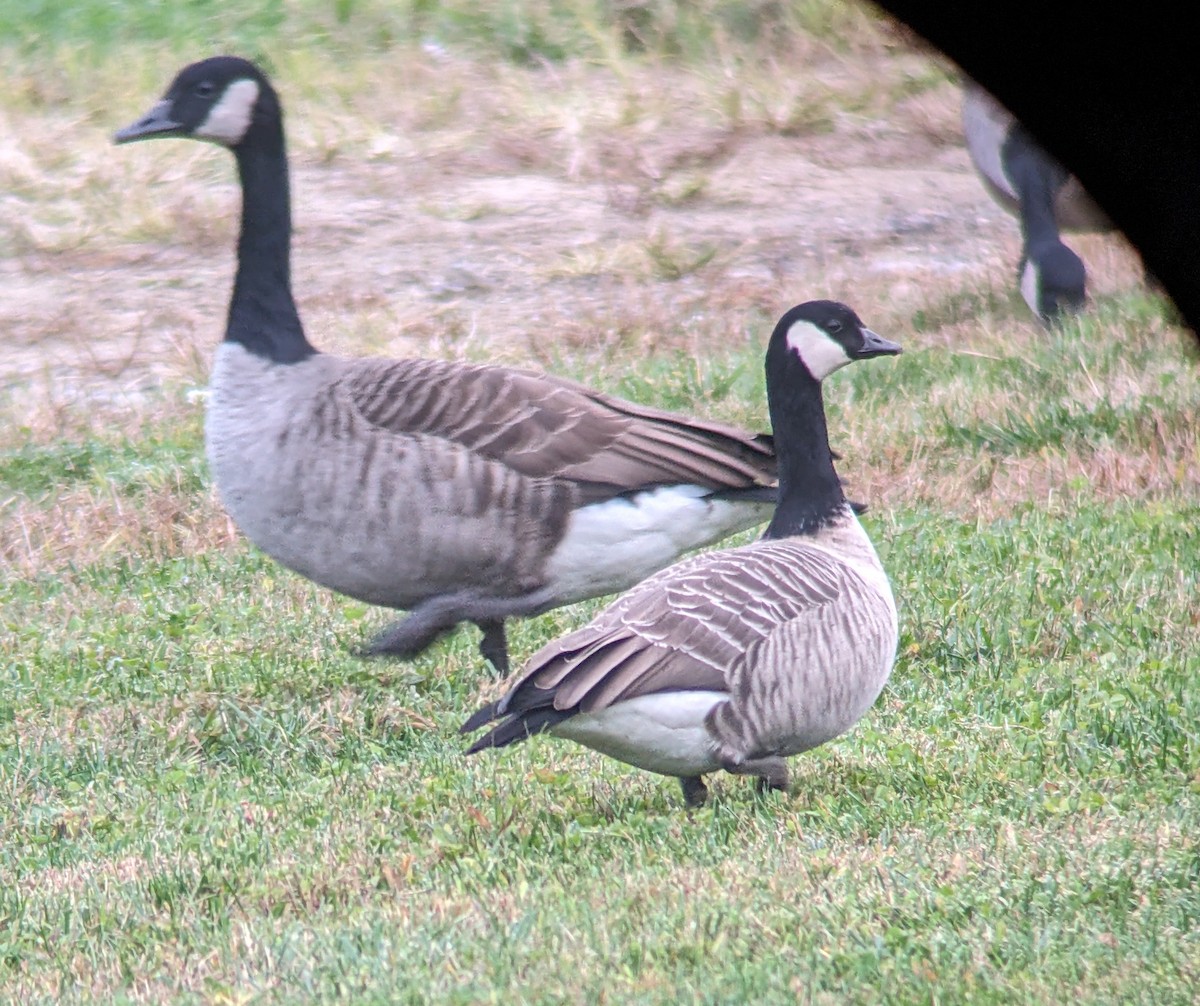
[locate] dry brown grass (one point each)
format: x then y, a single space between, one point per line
571 213
103 240
88 525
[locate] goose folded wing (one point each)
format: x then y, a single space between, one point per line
687 628
546 427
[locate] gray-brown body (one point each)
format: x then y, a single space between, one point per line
728 658
739 658
396 481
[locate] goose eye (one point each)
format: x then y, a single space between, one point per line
204 89
834 326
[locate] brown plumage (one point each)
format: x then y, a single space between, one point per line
739 658
548 427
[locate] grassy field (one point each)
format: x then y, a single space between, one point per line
205 798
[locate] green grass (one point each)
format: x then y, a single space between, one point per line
206 798
519 31
124 465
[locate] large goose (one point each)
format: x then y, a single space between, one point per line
735 659
1045 198
463 493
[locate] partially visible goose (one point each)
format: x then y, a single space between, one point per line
738 658
1046 199
463 493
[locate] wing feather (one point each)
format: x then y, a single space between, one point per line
689 627
547 427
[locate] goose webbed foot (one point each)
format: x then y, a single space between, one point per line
407 638
770 773
494 644
766 784
695 793
436 616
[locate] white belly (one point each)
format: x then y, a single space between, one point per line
663 732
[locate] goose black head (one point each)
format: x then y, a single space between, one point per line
825 336
217 99
1053 280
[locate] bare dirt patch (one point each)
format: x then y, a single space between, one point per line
508 245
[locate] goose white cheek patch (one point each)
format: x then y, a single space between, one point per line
230 118
820 352
1031 287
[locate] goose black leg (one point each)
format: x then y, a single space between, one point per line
405 639
695 793
436 616
494 644
423 627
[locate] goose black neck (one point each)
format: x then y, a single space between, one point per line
1036 178
262 312
810 493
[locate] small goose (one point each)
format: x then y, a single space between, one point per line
461 493
737 658
1028 183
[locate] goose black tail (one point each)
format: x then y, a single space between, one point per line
512 731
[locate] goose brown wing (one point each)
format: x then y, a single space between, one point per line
687 628
546 427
